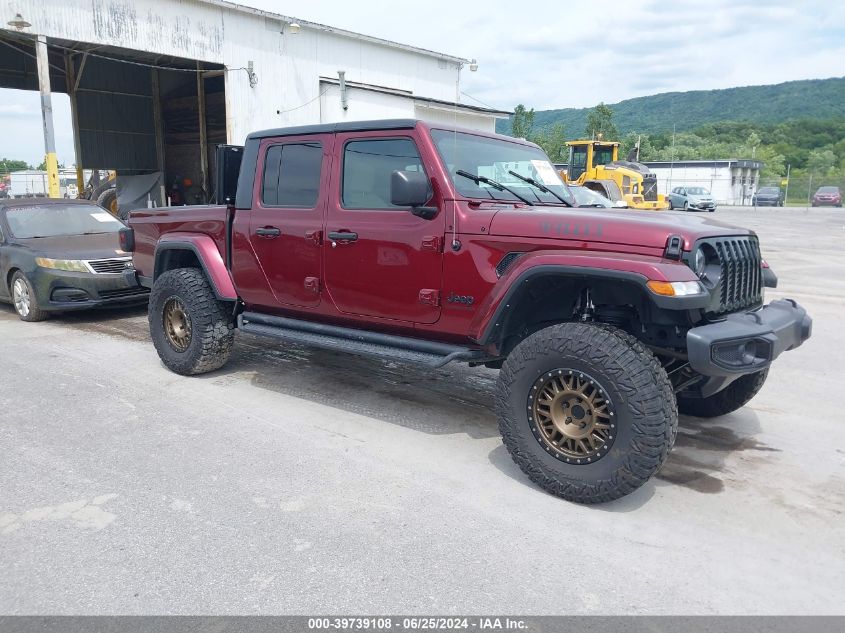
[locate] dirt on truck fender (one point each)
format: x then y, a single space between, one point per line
405 240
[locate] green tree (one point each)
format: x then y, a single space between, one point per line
522 122
11 164
821 162
553 142
600 123
629 144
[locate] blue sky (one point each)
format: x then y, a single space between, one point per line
553 54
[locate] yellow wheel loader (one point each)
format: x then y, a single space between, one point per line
596 165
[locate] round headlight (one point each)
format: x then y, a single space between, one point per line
700 262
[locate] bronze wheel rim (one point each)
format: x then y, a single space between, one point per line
177 324
572 416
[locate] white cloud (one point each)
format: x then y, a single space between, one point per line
552 54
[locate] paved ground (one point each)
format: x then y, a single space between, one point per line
302 481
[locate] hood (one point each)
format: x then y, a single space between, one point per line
96 246
629 227
698 198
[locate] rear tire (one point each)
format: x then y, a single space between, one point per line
191 329
639 413
671 208
735 396
24 300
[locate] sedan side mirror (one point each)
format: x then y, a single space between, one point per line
412 189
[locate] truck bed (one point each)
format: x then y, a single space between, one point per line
150 224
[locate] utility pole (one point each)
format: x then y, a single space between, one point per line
786 190
47 116
672 161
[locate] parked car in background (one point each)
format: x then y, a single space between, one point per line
691 199
585 197
767 197
827 197
58 255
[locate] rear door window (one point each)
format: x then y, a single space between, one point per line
292 175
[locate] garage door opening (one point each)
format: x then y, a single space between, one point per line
144 125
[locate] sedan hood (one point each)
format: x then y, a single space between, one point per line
611 226
94 246
697 199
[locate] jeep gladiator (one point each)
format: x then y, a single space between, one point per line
407 240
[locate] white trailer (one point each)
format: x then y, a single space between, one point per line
28 183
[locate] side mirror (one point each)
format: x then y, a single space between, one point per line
412 189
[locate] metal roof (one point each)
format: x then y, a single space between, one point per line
724 162
330 29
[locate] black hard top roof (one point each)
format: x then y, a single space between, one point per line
344 126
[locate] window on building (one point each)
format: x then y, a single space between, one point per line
292 175
367 168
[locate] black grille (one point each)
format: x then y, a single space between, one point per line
742 275
117 265
123 292
506 261
650 188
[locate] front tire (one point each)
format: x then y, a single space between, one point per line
586 411
686 206
24 300
191 329
735 396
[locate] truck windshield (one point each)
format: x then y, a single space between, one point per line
495 159
55 220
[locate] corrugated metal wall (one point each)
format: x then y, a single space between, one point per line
116 116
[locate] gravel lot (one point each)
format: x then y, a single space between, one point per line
299 481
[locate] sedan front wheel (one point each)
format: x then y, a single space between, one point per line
24 300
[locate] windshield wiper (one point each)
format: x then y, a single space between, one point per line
496 185
540 186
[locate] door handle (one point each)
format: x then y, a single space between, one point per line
268 231
342 236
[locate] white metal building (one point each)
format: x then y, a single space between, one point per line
731 181
155 84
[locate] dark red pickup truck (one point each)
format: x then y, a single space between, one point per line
407 240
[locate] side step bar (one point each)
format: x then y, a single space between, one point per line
429 353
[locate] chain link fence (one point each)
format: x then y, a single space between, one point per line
800 189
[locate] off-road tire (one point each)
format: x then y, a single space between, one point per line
639 389
108 200
212 329
35 312
735 396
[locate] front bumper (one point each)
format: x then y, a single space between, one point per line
748 343
59 290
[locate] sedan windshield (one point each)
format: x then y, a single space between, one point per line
697 191
55 220
768 190
494 159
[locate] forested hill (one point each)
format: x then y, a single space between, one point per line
806 99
